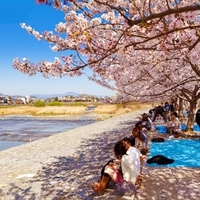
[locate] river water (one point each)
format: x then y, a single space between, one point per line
16 131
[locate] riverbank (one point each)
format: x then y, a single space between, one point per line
99 111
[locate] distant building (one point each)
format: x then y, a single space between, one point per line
27 99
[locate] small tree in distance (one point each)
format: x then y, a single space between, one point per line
39 103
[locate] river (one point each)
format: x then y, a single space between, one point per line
18 130
14 132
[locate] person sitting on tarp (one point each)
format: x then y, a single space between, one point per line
141 139
146 121
174 126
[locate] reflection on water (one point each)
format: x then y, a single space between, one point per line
90 108
17 131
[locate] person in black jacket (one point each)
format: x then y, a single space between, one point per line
159 111
198 117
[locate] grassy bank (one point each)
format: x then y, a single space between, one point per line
77 108
118 109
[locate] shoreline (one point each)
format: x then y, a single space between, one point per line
57 117
87 115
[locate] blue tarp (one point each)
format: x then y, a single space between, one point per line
185 152
162 129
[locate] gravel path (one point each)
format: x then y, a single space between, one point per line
63 167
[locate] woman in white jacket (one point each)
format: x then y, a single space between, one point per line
129 171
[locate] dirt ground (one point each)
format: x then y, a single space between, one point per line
48 110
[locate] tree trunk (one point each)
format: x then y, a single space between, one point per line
175 104
190 123
180 109
192 97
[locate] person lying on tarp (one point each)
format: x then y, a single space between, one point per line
160 159
174 126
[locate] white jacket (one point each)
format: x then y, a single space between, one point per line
128 169
134 154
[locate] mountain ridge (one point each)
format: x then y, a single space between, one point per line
45 96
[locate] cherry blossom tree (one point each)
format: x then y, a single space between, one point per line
168 78
149 49
104 30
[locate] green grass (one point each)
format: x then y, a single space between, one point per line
79 104
55 103
47 114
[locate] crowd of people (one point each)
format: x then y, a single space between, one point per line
163 110
130 152
166 113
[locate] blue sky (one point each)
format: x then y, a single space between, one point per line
16 42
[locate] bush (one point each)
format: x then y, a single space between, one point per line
79 104
55 103
39 103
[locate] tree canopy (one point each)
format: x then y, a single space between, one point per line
146 47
